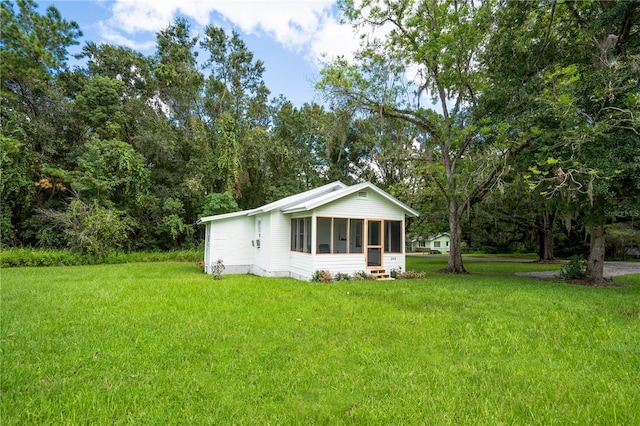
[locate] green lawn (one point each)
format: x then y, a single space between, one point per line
431 264
161 343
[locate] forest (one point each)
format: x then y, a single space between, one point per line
514 126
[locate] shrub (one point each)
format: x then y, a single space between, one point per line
322 276
407 275
574 270
410 275
217 268
395 272
90 229
341 276
14 258
361 276
21 257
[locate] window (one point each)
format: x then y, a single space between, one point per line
340 235
301 229
301 234
373 237
343 235
393 236
436 244
355 235
323 235
374 242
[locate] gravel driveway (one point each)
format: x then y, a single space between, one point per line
611 269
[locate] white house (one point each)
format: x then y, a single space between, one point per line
336 227
439 242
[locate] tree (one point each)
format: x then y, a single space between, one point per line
572 72
235 85
99 106
430 50
111 173
90 228
33 112
132 68
176 73
605 100
235 102
219 203
33 49
295 148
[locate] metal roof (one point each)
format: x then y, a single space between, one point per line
312 199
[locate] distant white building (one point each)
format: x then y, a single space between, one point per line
336 227
439 242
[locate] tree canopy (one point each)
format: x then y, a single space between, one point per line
511 123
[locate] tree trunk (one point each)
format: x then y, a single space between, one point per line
595 263
545 236
455 265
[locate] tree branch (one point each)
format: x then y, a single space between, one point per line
581 21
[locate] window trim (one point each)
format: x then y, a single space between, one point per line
388 240
347 240
300 236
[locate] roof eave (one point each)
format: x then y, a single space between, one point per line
224 216
330 197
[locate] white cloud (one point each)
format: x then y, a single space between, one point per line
310 27
333 40
291 23
111 35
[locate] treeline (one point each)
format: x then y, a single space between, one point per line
127 152
533 143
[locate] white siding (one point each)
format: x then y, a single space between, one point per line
262 232
230 240
280 246
234 240
207 244
394 261
334 263
374 206
444 243
301 265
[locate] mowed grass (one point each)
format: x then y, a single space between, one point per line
162 343
508 267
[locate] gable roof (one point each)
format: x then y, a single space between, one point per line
312 199
292 199
313 203
303 197
436 236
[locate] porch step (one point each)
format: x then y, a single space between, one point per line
381 275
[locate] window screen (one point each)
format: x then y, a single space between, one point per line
393 236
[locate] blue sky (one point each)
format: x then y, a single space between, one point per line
289 36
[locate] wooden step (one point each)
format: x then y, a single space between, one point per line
381 275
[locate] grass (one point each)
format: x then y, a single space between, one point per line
161 343
17 257
432 264
522 256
